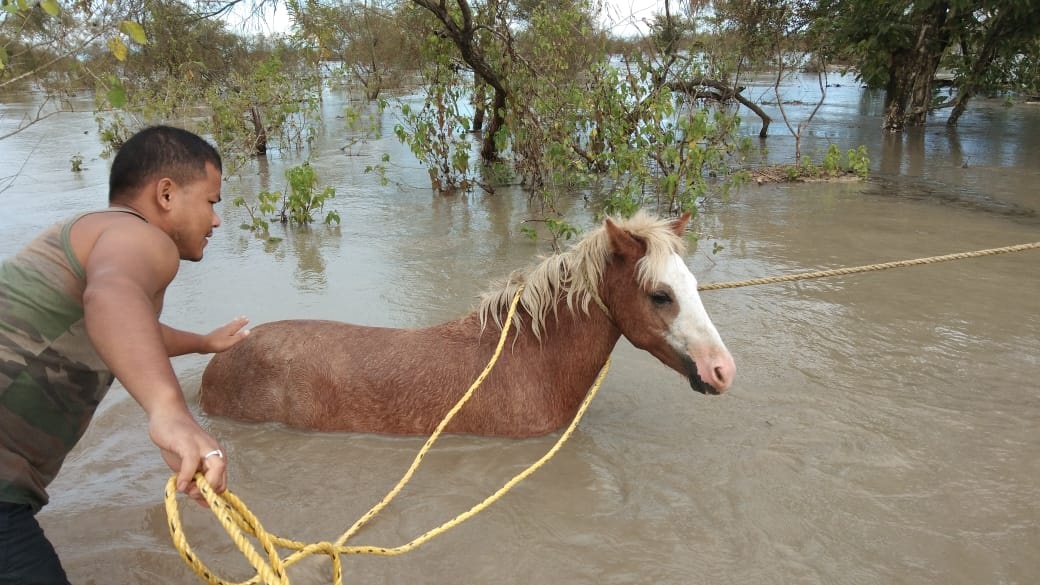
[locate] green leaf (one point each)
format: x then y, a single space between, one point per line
116 93
3 58
134 31
51 7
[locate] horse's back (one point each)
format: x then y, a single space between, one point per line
255 379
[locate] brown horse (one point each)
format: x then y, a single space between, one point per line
626 277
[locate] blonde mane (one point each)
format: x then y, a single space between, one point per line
575 273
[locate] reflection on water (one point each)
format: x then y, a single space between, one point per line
882 427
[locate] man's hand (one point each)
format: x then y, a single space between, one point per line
179 342
184 446
226 336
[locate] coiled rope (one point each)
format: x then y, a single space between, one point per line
239 522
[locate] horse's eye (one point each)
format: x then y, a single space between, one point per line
660 298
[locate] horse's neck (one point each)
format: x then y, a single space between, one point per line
575 332
572 348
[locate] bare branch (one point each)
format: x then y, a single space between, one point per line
70 52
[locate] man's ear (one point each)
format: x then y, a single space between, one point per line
164 193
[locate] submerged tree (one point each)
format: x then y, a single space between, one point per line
51 47
900 45
483 42
998 48
249 94
369 42
157 61
564 115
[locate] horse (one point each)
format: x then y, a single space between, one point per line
625 277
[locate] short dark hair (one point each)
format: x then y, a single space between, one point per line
159 150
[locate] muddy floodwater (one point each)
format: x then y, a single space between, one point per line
883 428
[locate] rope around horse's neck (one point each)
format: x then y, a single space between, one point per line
868 267
236 518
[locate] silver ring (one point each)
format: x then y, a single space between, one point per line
216 452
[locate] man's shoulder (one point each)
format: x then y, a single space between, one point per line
112 222
122 235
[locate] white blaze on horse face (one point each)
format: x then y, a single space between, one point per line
692 333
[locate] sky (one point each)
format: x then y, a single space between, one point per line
628 17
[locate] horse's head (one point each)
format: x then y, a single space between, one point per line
652 297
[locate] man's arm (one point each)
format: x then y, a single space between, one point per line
180 342
127 272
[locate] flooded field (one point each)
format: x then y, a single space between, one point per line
882 427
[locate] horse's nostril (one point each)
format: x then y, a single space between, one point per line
723 374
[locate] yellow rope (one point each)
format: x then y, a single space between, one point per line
238 521
868 268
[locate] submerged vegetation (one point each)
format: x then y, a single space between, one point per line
531 94
852 166
298 205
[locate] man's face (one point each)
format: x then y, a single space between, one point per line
194 215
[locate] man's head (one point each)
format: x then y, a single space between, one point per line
172 177
157 152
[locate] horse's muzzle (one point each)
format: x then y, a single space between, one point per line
695 380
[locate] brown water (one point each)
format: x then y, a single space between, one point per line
883 427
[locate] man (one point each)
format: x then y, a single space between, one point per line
79 305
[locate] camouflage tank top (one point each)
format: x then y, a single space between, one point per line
51 378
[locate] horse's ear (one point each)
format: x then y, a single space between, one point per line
622 242
679 224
